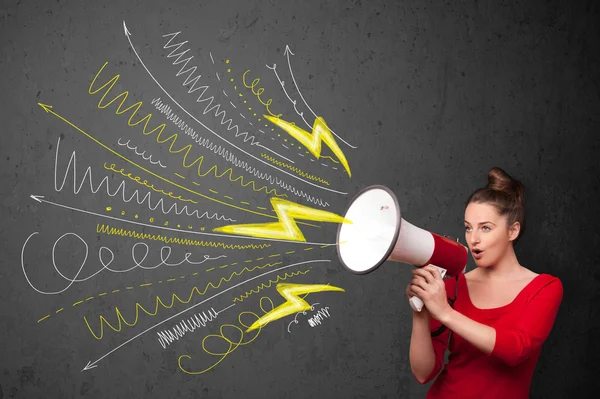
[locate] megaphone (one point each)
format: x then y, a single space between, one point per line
378 233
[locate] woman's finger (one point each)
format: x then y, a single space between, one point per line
426 274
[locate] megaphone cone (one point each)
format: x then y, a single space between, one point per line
378 233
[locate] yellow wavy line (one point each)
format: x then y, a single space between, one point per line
294 169
106 229
145 183
121 320
244 296
160 128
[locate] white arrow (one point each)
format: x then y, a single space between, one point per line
91 365
287 53
41 199
128 35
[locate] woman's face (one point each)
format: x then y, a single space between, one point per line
487 231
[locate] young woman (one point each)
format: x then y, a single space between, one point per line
503 311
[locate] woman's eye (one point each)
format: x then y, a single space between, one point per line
486 227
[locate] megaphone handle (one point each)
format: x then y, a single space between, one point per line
416 303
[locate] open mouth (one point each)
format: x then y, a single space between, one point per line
477 253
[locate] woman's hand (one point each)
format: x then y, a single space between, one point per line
427 284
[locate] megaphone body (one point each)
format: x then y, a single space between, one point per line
378 233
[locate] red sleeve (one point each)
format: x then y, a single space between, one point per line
514 344
440 343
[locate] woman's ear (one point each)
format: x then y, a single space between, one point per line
513 231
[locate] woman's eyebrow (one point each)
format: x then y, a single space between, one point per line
482 223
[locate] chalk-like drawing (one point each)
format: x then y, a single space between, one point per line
295 169
295 321
268 284
106 257
107 229
225 331
312 141
50 110
199 320
286 228
128 35
143 154
146 199
258 93
109 85
293 302
319 316
92 364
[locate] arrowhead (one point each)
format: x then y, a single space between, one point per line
127 33
38 198
287 50
46 107
89 366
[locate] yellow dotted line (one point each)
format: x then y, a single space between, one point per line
182 277
152 220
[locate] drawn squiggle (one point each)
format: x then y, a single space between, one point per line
261 287
149 159
295 169
160 128
232 342
136 193
105 262
145 183
230 157
166 337
192 81
121 319
107 229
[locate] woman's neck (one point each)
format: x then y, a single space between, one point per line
508 268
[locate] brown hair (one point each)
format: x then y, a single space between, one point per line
505 194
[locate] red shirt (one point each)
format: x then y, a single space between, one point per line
522 326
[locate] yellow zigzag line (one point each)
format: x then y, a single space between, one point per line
121 319
160 128
294 169
264 285
145 183
106 229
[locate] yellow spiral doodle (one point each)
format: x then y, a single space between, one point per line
160 128
106 229
121 320
233 343
294 169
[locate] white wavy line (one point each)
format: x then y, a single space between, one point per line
228 156
149 159
128 35
136 193
93 364
287 53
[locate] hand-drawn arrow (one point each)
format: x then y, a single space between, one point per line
287 53
128 35
41 199
91 365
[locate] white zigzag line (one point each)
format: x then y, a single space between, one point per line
230 157
136 193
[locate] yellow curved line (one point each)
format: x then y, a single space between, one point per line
258 92
160 128
294 169
106 229
244 296
232 345
121 319
145 183
327 156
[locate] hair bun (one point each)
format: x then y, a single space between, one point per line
499 180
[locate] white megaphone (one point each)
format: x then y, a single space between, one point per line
378 233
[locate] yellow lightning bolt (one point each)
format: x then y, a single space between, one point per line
293 304
312 141
286 228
